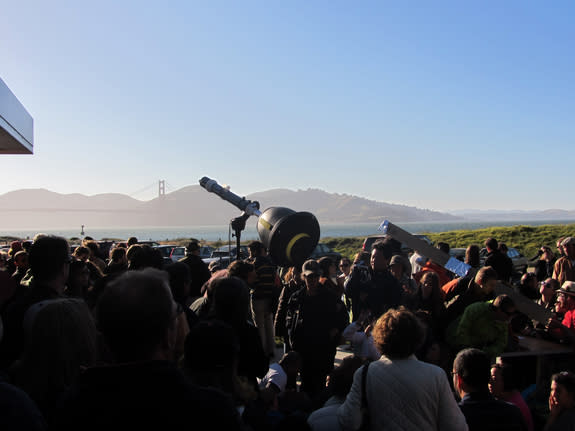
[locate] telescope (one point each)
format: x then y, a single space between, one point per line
289 236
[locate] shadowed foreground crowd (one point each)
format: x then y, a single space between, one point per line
128 342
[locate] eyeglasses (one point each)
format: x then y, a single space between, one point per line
343 265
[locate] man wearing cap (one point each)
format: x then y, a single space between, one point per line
564 269
198 269
314 323
566 328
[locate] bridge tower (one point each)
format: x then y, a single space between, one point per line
161 189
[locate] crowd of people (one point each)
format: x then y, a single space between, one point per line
124 340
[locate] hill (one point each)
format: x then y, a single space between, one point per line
190 206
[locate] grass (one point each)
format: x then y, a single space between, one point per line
526 239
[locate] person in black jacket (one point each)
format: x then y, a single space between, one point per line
314 322
544 263
198 269
374 289
500 262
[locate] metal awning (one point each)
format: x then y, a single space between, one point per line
16 124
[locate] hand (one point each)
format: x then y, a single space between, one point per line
554 407
367 330
553 323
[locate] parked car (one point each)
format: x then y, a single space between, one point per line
180 252
368 242
177 253
458 253
226 254
206 251
322 250
150 243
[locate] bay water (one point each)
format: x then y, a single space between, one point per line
223 233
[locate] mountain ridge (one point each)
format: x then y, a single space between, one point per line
191 205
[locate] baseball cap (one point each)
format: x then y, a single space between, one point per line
311 267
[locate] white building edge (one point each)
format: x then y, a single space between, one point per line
16 124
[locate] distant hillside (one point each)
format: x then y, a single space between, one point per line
516 215
343 208
190 206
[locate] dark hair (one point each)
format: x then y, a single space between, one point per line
472 256
231 300
528 276
131 241
192 246
134 313
503 303
240 269
324 263
443 246
503 247
491 243
553 282
362 256
509 376
81 250
398 333
341 378
93 246
474 367
256 247
142 256
485 274
47 256
179 274
117 253
565 379
384 247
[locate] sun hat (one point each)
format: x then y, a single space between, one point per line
568 287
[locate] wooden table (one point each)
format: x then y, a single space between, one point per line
531 346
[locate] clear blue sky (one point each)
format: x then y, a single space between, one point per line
440 105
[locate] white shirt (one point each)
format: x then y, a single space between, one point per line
275 375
